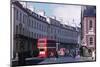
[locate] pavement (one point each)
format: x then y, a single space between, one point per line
65 60
36 61
57 60
28 61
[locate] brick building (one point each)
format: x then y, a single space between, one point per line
89 28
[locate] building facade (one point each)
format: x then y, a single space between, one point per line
89 28
29 26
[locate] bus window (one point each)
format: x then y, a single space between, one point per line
41 41
41 49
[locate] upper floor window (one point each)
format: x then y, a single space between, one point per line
23 18
32 34
91 41
40 26
29 22
17 14
23 30
36 25
90 25
26 19
32 24
29 34
16 29
20 28
20 16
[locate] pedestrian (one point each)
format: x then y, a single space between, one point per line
93 55
51 54
21 58
56 55
74 54
78 55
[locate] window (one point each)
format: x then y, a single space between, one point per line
23 18
37 36
90 25
42 28
26 19
41 41
20 28
23 31
32 34
91 41
32 24
16 29
29 34
16 14
29 22
41 49
20 16
39 26
36 25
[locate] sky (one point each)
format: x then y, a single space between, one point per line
69 14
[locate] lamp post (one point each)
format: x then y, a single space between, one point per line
57 46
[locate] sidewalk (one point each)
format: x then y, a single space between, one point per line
66 59
58 60
35 61
28 61
86 59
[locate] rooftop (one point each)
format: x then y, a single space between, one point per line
39 17
90 11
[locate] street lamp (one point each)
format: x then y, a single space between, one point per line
57 46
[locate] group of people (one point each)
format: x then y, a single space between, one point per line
72 53
64 53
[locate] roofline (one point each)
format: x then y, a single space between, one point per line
21 7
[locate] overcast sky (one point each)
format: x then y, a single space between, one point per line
69 14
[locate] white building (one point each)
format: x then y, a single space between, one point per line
28 26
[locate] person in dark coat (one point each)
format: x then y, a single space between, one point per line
74 54
21 58
56 54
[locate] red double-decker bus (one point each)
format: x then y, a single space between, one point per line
47 48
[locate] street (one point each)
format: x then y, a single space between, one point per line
65 60
36 61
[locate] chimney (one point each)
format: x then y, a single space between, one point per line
53 17
23 4
60 19
28 6
40 12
